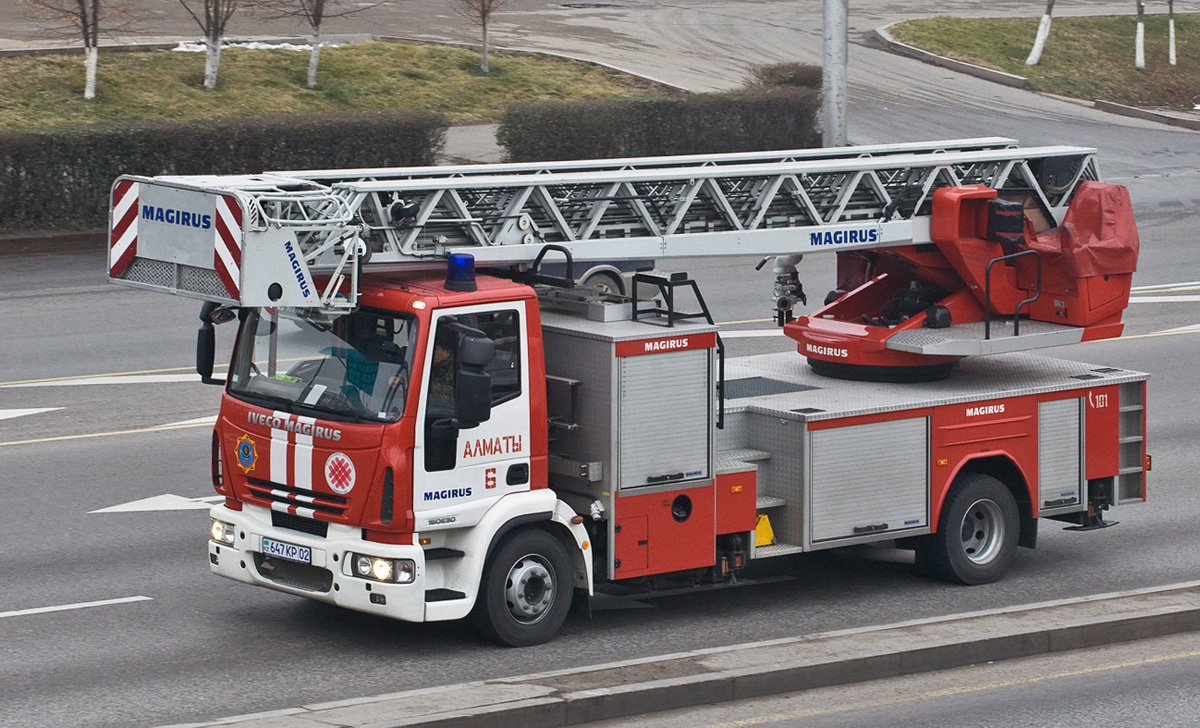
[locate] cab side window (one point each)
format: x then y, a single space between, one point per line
504 329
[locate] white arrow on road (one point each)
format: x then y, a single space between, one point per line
8 414
166 502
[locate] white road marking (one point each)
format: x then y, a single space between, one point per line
165 502
1164 286
751 334
77 605
1164 299
209 420
8 414
131 379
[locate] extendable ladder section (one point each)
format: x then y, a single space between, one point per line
297 228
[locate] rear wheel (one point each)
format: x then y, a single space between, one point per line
977 533
526 590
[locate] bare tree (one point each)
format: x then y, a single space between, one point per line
1043 31
86 18
212 16
314 13
1139 51
480 12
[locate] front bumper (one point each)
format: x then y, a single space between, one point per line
328 577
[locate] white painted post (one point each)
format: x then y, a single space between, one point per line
1139 59
1171 29
90 58
833 77
1043 32
212 61
313 59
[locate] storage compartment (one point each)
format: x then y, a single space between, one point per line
663 532
869 479
640 406
1060 456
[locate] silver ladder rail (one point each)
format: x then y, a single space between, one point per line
749 209
331 176
770 203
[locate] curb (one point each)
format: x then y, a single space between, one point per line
883 38
988 74
43 241
1163 118
700 677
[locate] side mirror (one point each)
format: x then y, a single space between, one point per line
206 339
473 385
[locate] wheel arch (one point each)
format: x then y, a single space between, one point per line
557 523
1002 467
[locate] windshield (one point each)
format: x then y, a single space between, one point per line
354 367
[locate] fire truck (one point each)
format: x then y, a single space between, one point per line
419 422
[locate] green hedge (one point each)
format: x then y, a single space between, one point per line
804 75
758 119
61 179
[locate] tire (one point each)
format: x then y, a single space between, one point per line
977 533
604 282
526 590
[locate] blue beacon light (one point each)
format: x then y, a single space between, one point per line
460 272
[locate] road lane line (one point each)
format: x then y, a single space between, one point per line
92 376
1180 286
111 379
753 334
87 435
77 605
1164 299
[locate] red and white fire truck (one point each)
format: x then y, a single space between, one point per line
403 436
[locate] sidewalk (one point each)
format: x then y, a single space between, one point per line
602 692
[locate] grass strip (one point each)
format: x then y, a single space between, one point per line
40 92
1087 58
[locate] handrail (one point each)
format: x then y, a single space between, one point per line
987 295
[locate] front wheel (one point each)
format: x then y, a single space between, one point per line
526 590
977 533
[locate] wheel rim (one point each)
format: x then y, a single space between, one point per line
982 531
529 589
603 284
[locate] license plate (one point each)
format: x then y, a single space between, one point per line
289 551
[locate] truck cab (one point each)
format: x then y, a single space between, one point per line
356 453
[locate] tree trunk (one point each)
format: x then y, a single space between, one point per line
314 59
1043 32
1139 50
212 60
483 66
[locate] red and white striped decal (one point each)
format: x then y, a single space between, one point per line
292 464
227 243
122 239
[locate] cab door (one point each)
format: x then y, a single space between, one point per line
460 470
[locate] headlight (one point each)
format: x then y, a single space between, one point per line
222 532
395 571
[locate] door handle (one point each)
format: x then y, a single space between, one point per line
517 474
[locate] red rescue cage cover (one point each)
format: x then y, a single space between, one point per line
1097 236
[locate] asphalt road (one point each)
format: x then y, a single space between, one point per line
170 643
